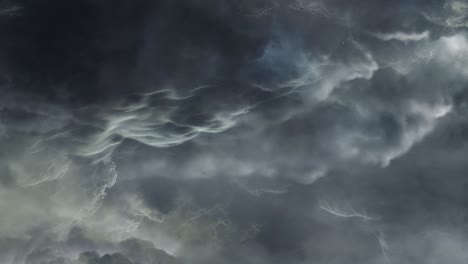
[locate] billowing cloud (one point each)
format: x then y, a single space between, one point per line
299 131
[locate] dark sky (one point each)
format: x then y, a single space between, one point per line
248 131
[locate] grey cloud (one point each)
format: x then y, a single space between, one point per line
299 131
77 248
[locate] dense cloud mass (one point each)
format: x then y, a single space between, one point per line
251 131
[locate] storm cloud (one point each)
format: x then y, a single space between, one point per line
264 131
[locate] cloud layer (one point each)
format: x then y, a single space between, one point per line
265 131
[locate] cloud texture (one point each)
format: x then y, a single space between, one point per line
264 131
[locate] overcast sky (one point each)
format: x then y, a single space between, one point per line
232 132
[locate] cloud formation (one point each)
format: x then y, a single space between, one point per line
265 131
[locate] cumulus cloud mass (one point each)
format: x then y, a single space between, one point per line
248 131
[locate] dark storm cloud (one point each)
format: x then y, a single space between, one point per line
266 131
